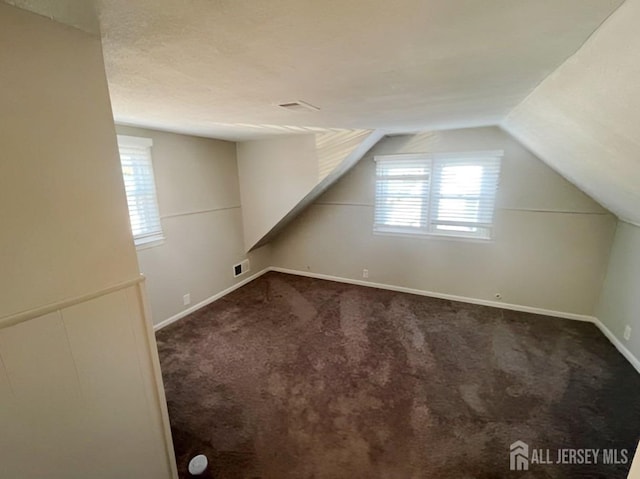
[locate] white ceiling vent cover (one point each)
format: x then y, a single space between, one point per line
299 106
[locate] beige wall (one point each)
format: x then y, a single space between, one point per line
63 231
80 391
275 175
549 251
199 201
620 301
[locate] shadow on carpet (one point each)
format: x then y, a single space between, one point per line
292 377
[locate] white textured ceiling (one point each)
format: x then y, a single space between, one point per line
584 120
219 67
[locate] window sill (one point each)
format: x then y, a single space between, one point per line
148 243
433 236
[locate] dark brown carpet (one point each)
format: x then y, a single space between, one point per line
291 377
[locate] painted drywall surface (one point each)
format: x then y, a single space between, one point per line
582 120
337 153
549 250
333 146
275 174
620 300
65 231
199 202
408 64
80 14
76 395
80 390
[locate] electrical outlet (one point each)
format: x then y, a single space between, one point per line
627 333
365 273
186 299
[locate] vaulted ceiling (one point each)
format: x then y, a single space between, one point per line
584 119
563 76
220 67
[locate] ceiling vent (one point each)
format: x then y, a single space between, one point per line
299 106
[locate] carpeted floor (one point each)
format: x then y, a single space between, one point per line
291 377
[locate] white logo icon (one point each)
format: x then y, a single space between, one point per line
519 456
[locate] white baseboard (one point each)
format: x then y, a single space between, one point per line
496 304
450 297
207 301
618 344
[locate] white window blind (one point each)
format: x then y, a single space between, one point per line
449 194
402 193
139 184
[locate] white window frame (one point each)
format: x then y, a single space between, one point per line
433 163
154 235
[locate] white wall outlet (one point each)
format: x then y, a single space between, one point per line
186 299
627 333
498 296
365 273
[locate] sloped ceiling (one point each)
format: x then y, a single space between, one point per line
334 146
220 67
584 119
80 14
281 176
337 152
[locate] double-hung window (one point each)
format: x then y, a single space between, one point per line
139 184
451 194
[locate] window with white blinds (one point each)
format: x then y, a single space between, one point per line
451 194
139 184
